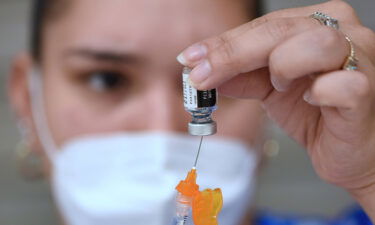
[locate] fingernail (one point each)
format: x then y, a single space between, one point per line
276 84
280 84
307 96
200 72
308 99
193 54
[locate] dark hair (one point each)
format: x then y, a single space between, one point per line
39 12
259 7
45 10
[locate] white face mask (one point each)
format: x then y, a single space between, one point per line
129 178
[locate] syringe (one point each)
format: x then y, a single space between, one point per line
186 190
204 206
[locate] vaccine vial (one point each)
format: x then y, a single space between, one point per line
201 105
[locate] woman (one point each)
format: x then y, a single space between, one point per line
100 97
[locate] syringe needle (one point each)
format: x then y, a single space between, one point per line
199 151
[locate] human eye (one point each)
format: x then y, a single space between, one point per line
105 81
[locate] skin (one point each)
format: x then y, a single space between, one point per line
96 39
296 72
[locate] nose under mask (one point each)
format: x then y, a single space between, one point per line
129 178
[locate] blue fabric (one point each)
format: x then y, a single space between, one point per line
353 216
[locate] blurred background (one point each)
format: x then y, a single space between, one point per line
288 183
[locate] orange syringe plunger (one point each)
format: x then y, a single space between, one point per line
189 186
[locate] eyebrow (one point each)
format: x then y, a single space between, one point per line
109 56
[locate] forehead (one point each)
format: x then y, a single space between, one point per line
141 23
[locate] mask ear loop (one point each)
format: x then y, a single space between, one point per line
35 84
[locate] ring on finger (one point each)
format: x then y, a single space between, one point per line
326 20
351 62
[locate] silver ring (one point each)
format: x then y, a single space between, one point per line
351 62
326 20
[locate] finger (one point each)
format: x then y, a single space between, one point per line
315 51
338 9
255 85
235 53
347 15
349 91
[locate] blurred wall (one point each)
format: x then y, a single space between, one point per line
288 183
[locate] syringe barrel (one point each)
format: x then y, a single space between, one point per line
183 205
183 209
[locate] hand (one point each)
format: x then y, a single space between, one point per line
293 64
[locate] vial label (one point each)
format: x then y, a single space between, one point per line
194 99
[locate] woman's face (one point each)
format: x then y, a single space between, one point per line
110 66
